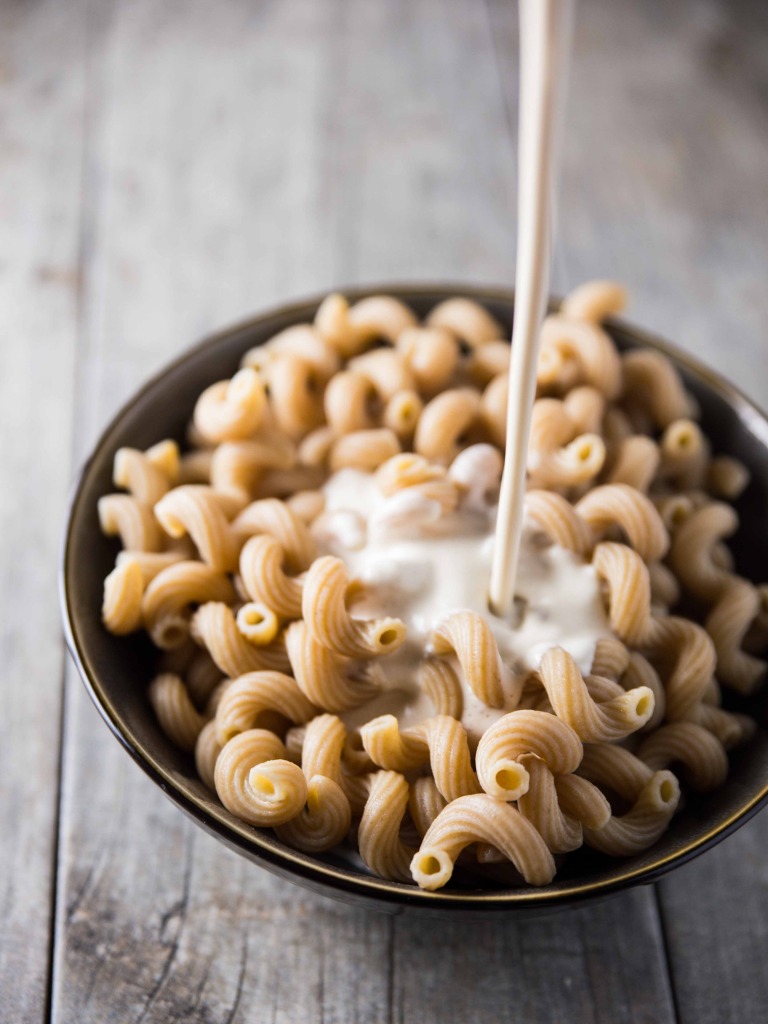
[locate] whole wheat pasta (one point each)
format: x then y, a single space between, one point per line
195 466
300 340
556 457
237 466
613 767
201 676
294 389
147 475
326 818
196 511
469 637
643 824
611 659
214 627
692 553
499 769
685 657
594 301
386 369
315 448
246 698
592 721
582 801
323 742
480 818
282 483
328 679
306 505
586 344
169 597
446 424
653 383
559 521
639 672
406 470
207 750
621 506
123 591
653 795
432 355
487 361
378 835
274 517
585 406
364 449
729 728
702 755
381 316
493 409
264 578
255 781
674 509
329 622
178 717
626 577
323 822
467 320
440 741
257 623
425 803
401 414
150 563
557 372
123 516
727 624
540 804
350 403
231 410
665 589
350 330
682 645
727 477
441 684
635 463
684 454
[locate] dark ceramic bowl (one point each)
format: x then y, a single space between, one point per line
116 670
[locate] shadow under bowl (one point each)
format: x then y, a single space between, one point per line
116 670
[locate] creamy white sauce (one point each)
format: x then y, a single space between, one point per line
441 565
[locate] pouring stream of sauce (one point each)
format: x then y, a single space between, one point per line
544 39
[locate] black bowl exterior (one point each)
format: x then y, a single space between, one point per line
116 670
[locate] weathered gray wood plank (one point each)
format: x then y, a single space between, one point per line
240 155
715 912
41 135
664 186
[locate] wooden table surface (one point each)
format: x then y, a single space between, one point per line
169 167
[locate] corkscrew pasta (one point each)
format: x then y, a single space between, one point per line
389 709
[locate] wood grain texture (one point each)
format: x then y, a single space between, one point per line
261 152
714 913
41 137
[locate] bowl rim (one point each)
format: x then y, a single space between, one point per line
304 868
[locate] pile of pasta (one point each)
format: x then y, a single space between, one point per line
263 650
